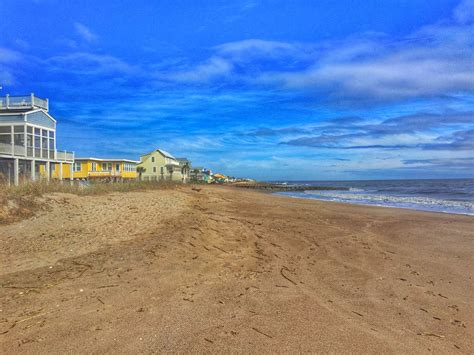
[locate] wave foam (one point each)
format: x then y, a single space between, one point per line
412 202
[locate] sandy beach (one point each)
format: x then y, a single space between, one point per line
223 269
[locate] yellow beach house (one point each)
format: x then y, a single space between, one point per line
159 165
105 169
28 142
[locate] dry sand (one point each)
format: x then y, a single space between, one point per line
224 270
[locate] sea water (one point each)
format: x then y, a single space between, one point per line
440 195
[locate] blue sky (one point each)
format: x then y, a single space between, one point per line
270 89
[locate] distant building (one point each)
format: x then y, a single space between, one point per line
185 165
220 178
200 174
105 169
159 165
28 142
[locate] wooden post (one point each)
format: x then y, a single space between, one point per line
16 168
33 170
12 139
47 169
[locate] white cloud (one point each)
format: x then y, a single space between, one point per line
85 32
464 12
228 56
434 61
257 48
89 63
437 60
8 60
213 68
9 56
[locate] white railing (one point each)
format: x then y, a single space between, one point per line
105 173
40 102
19 102
63 155
5 148
20 151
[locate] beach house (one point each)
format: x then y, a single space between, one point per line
28 142
159 165
220 178
105 169
185 165
200 174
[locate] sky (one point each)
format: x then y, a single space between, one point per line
267 89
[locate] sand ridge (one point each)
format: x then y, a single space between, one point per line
227 270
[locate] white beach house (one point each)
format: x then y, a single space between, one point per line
28 141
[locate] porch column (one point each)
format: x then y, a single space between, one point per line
16 167
60 171
71 172
33 170
47 168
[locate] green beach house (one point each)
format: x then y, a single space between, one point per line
160 165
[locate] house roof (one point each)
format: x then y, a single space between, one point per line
109 160
163 152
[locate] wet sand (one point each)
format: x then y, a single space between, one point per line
223 269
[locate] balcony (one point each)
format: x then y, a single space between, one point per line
63 155
23 103
105 173
20 151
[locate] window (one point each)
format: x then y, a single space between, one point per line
77 167
37 146
5 138
117 167
152 159
44 143
20 139
154 169
37 142
44 146
94 166
162 170
130 167
29 140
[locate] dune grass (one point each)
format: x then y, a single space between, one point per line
19 202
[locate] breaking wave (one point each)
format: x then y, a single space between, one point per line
359 196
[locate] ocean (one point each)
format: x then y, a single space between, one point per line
440 195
